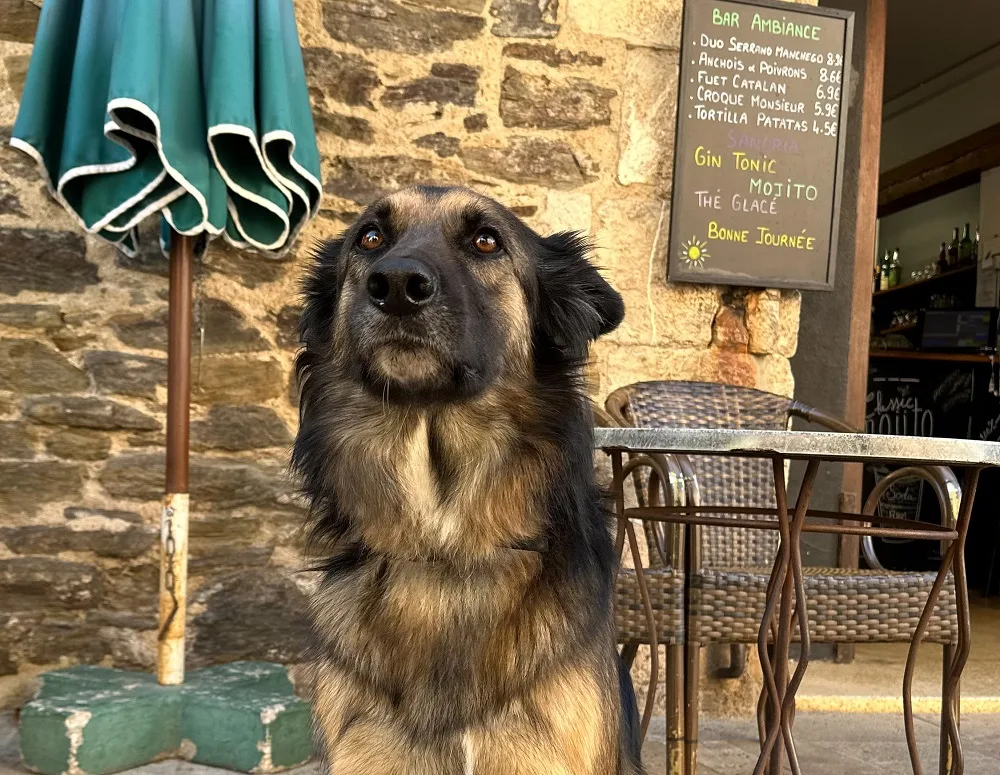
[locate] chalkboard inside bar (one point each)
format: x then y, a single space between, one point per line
761 119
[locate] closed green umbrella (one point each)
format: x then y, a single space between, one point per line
196 110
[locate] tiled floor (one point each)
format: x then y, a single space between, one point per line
827 744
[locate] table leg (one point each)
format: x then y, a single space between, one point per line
787 584
801 611
954 560
950 700
770 701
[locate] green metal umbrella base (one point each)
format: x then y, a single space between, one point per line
243 716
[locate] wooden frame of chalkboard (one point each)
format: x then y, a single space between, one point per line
734 248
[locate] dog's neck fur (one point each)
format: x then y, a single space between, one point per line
439 483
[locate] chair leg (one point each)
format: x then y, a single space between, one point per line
945 758
692 688
629 650
675 709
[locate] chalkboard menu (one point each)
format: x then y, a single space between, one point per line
761 119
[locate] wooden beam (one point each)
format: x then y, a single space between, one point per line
864 255
940 172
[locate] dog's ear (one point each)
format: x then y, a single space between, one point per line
575 304
320 289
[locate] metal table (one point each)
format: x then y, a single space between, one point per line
776 708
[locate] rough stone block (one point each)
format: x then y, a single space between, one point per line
17 164
471 6
126 374
29 366
238 428
788 324
451 84
288 326
43 260
17 70
248 267
774 374
347 78
365 179
646 141
476 123
540 102
348 127
26 486
251 612
536 160
44 316
18 20
390 26
550 55
525 18
78 445
92 721
104 537
218 481
10 202
641 23
29 582
237 380
88 412
763 321
16 441
443 145
729 330
226 330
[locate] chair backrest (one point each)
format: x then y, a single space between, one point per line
722 480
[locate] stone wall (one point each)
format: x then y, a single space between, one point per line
562 109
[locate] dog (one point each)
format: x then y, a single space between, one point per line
463 624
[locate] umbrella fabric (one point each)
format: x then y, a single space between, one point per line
197 109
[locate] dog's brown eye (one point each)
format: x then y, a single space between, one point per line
486 241
371 239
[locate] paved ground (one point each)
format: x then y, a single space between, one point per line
828 744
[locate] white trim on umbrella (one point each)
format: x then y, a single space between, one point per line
311 210
199 197
289 188
247 132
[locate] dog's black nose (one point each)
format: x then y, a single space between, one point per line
401 286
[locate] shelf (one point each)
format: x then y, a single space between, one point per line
916 355
898 329
954 273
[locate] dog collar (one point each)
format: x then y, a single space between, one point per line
540 545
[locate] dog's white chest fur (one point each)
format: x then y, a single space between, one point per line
470 754
418 482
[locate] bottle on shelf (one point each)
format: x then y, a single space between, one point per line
965 248
876 274
895 270
953 250
975 247
942 262
883 283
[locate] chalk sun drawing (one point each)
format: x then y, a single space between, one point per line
694 252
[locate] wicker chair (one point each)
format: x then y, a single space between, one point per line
728 568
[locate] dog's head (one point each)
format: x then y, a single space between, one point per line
434 293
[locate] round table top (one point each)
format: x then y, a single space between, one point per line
845 447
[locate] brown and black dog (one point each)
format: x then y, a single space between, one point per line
464 620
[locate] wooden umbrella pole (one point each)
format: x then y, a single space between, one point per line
174 515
